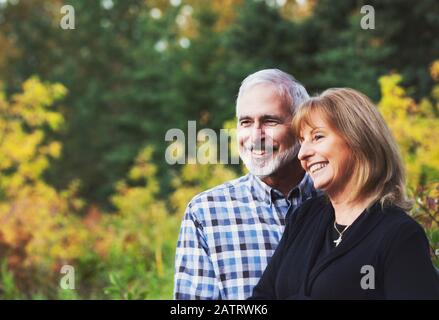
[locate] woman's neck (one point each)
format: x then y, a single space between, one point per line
346 212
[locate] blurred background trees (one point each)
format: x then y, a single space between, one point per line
84 112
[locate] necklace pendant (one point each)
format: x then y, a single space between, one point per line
337 242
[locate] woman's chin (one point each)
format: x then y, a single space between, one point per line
321 185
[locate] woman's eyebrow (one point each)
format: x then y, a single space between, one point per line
316 129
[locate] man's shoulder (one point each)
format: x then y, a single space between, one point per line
228 188
227 191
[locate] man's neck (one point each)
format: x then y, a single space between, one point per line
286 178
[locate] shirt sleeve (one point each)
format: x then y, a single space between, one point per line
194 273
409 272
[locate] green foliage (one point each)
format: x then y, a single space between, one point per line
8 288
426 211
119 289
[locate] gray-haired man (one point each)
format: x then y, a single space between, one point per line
230 232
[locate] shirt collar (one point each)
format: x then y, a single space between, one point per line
263 192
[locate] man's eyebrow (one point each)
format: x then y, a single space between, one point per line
243 118
270 116
262 117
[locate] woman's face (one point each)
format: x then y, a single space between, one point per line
326 157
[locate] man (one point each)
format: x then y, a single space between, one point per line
230 232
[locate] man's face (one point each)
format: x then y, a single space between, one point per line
265 138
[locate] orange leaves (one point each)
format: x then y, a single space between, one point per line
434 70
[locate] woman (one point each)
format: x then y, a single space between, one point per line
356 241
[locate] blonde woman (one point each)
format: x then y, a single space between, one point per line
357 240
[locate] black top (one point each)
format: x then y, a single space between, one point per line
330 236
384 255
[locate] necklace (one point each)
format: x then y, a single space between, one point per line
337 242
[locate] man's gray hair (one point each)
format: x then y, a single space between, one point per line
291 91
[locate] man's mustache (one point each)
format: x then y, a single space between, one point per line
266 147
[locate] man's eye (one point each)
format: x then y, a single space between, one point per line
271 122
245 123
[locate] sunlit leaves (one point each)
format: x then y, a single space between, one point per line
38 224
414 126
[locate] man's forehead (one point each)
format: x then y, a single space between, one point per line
259 90
264 112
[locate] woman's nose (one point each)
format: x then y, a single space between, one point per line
304 152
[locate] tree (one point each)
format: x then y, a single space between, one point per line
39 230
412 123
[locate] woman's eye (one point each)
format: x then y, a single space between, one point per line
317 137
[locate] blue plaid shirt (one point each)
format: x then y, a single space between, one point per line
228 235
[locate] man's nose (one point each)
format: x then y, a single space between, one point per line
257 133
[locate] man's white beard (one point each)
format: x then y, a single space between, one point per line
265 167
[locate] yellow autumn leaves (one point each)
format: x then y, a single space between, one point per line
415 127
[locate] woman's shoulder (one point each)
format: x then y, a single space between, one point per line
316 203
397 221
394 214
310 208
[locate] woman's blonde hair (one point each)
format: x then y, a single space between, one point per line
378 170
